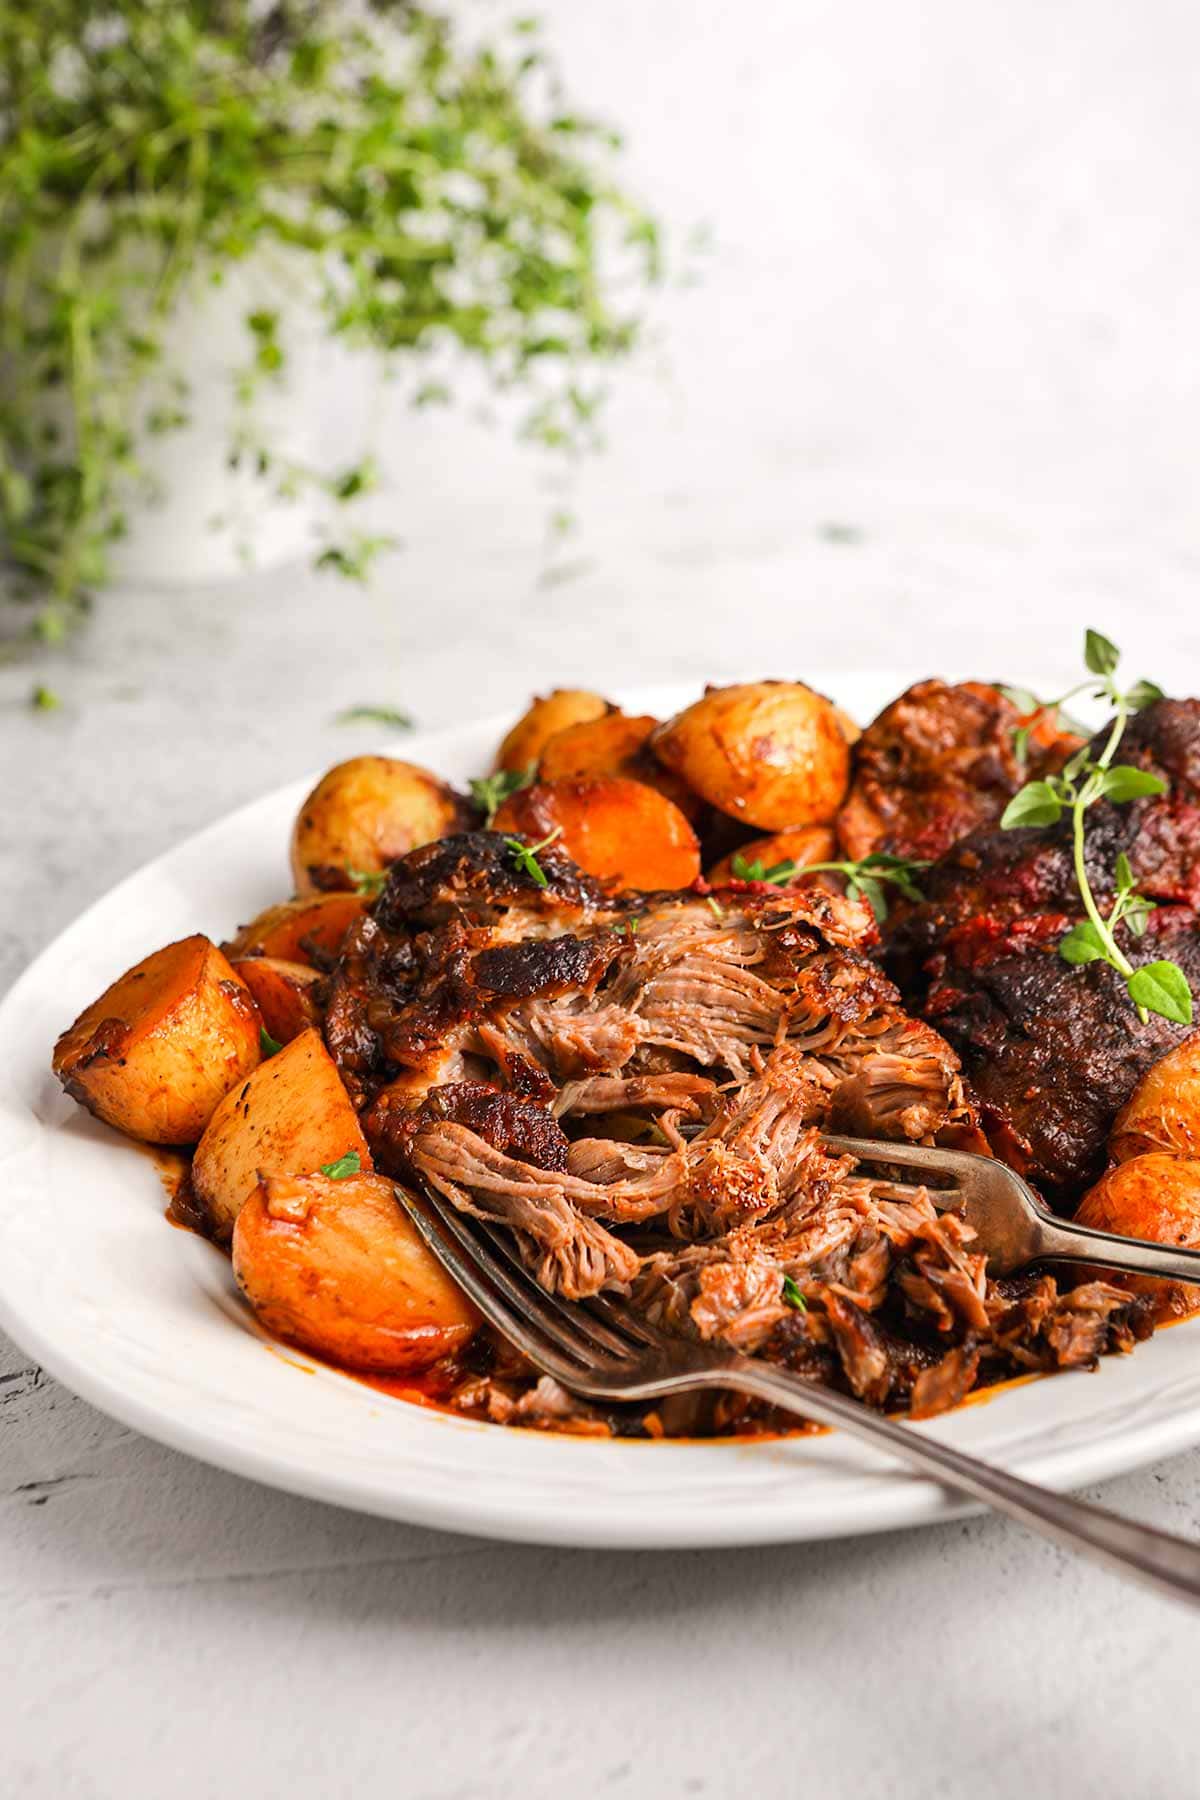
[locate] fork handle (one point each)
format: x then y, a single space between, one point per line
1064 1239
1169 1564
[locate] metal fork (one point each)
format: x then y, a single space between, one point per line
602 1350
1012 1227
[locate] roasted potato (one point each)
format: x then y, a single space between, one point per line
1152 1196
336 1267
365 813
291 1116
810 844
522 748
1163 1111
294 929
283 993
616 744
771 753
160 1048
616 829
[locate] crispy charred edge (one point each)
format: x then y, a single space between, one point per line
475 875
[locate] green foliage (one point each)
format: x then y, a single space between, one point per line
446 196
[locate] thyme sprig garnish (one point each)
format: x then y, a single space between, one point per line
793 1295
370 882
267 1044
391 716
1157 987
865 878
525 856
489 792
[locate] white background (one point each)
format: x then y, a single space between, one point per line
952 304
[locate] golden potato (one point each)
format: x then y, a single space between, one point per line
283 993
292 1114
1153 1196
771 753
1163 1111
810 844
160 1048
365 813
616 829
522 748
616 744
337 1268
293 929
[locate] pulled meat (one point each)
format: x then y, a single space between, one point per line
637 1091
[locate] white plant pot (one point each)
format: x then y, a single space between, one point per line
205 519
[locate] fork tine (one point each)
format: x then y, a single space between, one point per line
577 1316
456 1248
558 1320
958 1163
623 1318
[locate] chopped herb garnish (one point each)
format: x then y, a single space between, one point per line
714 906
1157 987
489 792
267 1044
793 1296
375 715
350 1164
44 699
525 856
629 926
370 882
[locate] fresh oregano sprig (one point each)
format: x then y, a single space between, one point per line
1157 987
865 878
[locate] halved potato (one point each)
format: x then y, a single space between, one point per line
283 993
293 929
365 813
522 748
336 1267
808 844
157 1052
616 744
1163 1111
614 828
1152 1196
772 753
292 1114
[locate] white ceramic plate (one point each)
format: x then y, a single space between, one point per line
144 1320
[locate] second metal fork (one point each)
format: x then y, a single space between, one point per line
603 1350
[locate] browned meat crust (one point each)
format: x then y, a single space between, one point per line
1054 1051
938 762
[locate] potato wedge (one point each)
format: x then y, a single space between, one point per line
616 744
283 993
365 813
522 748
1163 1111
614 828
772 753
1152 1196
291 1114
294 929
160 1048
336 1267
810 844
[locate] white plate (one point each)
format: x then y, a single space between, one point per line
144 1320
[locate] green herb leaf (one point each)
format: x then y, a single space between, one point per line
1143 694
368 881
44 699
349 1164
1020 744
1083 944
793 1295
1127 783
1035 804
1136 914
267 1044
489 792
525 856
779 874
1100 653
872 891
1162 988
1124 873
375 715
